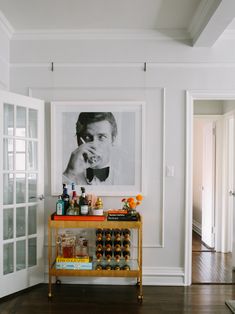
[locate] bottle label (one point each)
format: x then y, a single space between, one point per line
84 209
59 209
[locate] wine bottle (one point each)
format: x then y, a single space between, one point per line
108 255
117 255
99 234
126 234
108 234
99 255
83 203
126 267
99 267
65 198
126 244
126 254
99 245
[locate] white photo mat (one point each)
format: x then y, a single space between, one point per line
129 151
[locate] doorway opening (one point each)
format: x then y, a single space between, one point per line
209 234
211 261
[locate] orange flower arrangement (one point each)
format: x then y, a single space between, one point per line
131 203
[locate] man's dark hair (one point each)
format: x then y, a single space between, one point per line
86 118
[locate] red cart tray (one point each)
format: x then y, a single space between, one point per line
78 218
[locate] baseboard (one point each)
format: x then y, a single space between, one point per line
152 276
197 227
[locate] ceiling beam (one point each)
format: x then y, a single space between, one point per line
210 21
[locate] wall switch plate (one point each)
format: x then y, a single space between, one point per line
170 171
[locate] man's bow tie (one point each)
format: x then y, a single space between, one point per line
101 174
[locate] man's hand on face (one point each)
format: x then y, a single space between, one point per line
83 157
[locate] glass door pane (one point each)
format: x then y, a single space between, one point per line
20 121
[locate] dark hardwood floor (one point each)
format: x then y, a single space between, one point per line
94 299
209 266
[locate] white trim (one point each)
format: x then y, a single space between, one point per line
228 34
103 34
31 93
197 227
190 97
6 25
203 14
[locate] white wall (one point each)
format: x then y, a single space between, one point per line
4 58
113 70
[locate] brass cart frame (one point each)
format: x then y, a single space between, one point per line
55 225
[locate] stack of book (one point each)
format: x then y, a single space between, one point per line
76 263
121 215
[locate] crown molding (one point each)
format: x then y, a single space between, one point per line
228 34
105 34
203 13
6 26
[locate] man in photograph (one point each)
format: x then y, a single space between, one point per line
90 163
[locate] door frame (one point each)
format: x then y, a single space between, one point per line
191 96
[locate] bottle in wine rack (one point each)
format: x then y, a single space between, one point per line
117 255
117 267
99 267
99 245
108 267
126 244
99 255
126 267
99 234
108 255
108 234
126 254
126 234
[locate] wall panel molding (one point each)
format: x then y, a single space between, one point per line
39 91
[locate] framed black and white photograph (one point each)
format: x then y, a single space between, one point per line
98 145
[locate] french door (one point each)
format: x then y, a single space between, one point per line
21 192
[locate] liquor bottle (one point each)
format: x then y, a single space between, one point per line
71 209
60 206
65 198
83 203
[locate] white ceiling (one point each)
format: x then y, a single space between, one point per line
202 20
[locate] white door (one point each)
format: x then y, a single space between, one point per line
21 184
208 179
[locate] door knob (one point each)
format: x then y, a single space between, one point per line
231 193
